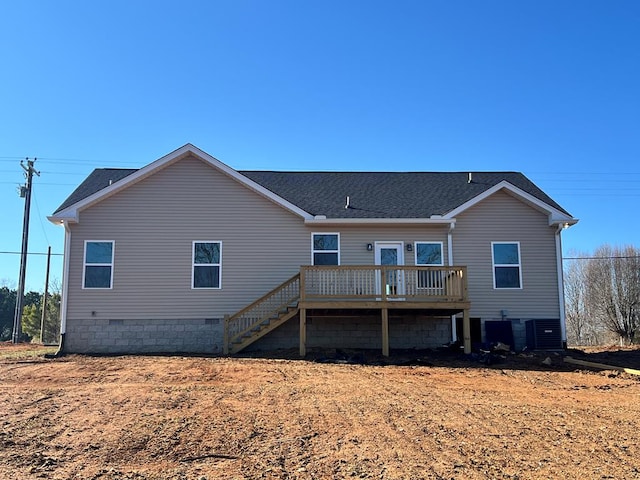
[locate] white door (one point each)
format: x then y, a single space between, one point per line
390 253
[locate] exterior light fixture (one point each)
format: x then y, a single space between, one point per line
369 247
409 247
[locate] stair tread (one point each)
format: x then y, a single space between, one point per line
262 327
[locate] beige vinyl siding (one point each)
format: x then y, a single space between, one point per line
503 218
354 240
154 223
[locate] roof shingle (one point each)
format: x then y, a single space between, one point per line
371 194
386 194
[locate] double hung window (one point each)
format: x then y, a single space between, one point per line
98 264
429 253
207 265
507 271
325 249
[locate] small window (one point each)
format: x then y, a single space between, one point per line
326 249
430 253
207 265
506 265
98 264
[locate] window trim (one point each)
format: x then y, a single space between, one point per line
194 264
429 281
415 249
110 264
314 251
510 265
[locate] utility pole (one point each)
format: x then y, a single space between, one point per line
25 192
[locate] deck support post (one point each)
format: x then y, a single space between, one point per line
466 331
303 332
385 332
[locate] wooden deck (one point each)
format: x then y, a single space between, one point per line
443 289
439 289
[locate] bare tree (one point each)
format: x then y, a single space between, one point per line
613 289
583 327
575 307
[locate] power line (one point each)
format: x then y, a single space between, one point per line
44 231
31 253
582 173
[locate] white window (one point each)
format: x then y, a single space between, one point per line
507 271
325 248
427 254
207 265
98 264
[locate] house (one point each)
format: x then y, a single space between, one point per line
189 255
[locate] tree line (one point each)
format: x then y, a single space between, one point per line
31 315
602 296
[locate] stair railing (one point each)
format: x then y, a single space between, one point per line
266 307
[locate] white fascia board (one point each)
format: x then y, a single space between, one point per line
555 216
380 221
71 213
566 222
60 219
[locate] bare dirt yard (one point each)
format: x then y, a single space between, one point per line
431 416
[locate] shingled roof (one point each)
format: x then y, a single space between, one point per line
387 194
97 180
371 194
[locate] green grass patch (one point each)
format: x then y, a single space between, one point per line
25 351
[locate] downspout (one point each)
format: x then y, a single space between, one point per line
65 288
452 225
563 326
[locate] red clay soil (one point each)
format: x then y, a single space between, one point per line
432 417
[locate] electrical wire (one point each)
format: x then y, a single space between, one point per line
40 218
31 253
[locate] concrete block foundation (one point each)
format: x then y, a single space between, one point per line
359 331
122 336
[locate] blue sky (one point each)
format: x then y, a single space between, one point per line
549 88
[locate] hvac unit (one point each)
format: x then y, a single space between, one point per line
544 334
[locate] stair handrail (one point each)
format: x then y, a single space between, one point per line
237 318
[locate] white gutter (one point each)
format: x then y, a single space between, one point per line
65 279
563 326
59 220
452 225
322 220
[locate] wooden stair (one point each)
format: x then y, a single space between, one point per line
262 316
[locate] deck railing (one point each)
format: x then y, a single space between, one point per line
411 283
